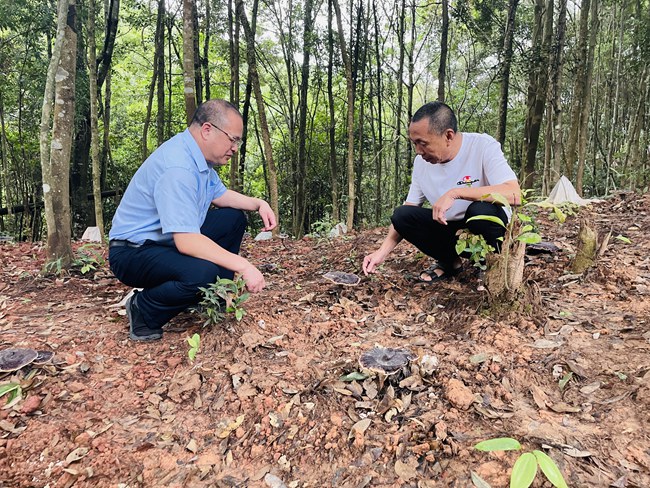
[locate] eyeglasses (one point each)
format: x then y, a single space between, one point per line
236 141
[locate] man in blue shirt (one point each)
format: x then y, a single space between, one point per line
166 239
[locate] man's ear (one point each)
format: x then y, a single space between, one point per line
449 135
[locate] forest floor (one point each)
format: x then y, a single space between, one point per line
264 405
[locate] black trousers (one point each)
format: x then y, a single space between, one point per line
416 225
171 280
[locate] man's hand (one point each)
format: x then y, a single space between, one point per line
439 209
253 278
268 217
371 261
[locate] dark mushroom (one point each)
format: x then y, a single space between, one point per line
43 358
342 278
14 359
386 360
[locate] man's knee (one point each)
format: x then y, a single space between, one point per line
404 214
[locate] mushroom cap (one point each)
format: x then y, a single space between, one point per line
43 357
14 359
386 360
342 278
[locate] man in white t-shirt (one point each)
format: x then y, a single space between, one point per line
456 172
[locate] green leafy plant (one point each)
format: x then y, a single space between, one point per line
88 258
12 390
222 297
195 345
476 246
54 267
525 468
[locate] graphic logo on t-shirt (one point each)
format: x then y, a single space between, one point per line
467 181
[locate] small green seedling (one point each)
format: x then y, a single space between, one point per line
622 238
525 467
195 345
222 297
476 246
12 390
88 258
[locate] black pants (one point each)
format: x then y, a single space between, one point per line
171 280
416 225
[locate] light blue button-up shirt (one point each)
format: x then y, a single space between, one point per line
170 192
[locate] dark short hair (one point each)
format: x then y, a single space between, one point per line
441 117
213 111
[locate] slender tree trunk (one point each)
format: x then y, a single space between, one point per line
579 89
105 58
537 86
378 158
411 86
301 197
56 170
444 40
586 104
398 110
261 110
616 82
188 60
233 53
332 118
350 116
198 74
506 62
159 60
94 132
555 123
206 47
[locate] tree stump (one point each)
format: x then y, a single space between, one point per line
587 248
505 275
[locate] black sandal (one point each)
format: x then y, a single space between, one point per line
447 272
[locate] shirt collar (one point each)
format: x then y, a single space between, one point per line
197 155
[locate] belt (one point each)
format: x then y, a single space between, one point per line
121 243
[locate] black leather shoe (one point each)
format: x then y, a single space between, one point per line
138 329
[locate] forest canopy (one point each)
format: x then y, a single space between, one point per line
564 87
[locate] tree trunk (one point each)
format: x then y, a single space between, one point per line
350 116
579 89
380 146
301 197
105 58
94 132
537 84
159 61
444 40
261 110
233 54
506 62
398 110
586 104
411 85
555 121
56 169
188 60
332 118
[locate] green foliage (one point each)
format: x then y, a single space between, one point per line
222 297
476 246
195 345
525 468
54 267
12 390
88 258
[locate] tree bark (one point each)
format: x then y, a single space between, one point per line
350 116
332 118
56 170
233 54
301 197
586 104
94 132
189 90
261 110
506 62
398 110
444 41
537 85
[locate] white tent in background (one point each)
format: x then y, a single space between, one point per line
564 191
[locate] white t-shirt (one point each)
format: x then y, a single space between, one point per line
479 162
